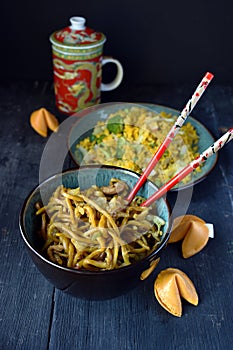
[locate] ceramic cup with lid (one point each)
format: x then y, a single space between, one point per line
77 66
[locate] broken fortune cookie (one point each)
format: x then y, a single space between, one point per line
170 286
41 120
146 273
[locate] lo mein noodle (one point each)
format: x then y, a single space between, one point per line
96 229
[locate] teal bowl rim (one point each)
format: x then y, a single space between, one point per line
84 272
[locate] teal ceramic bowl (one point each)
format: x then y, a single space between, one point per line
95 285
88 118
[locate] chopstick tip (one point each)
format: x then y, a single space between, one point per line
209 76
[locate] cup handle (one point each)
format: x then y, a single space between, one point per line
119 76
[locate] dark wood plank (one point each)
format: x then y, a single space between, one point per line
26 297
35 316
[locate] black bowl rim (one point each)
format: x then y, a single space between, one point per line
86 272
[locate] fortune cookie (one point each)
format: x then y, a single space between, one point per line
41 120
150 269
170 286
193 231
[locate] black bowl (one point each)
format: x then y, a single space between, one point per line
94 285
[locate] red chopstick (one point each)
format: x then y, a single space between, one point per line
171 134
228 136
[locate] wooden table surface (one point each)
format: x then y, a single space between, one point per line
35 315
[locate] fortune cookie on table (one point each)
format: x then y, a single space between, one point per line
41 120
170 286
193 231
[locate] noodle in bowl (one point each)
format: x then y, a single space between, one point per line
100 280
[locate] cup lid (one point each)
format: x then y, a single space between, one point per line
77 35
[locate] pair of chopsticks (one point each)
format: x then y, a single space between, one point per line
215 147
168 139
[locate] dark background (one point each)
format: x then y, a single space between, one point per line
158 42
165 48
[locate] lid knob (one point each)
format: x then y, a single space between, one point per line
77 23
